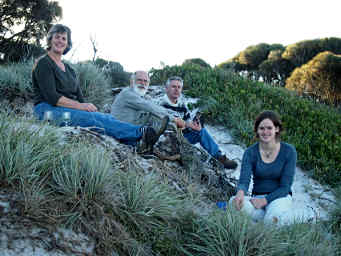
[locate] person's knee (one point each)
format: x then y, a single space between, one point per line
279 211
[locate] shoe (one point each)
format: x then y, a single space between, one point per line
150 136
228 164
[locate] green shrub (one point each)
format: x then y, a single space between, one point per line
226 233
151 211
83 174
26 152
15 81
94 85
302 239
320 77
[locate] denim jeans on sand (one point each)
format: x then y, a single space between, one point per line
205 140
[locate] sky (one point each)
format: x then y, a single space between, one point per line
143 34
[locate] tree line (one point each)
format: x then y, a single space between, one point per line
310 67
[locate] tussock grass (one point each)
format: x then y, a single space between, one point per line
25 153
303 239
83 174
95 87
15 80
226 233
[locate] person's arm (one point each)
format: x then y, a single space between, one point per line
69 103
244 178
239 200
140 104
287 176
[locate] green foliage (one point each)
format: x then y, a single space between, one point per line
320 77
15 81
143 203
197 61
254 55
114 72
274 63
227 234
94 85
83 174
303 239
275 69
301 52
25 152
23 23
116 75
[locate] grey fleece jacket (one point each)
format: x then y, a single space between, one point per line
128 107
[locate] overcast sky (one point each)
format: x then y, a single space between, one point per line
142 33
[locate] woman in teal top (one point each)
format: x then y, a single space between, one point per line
272 165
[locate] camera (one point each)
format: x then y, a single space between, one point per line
198 118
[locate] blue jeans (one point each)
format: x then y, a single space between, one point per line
205 140
123 132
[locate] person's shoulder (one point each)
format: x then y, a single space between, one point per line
129 91
127 94
288 147
41 61
69 67
253 149
289 150
163 100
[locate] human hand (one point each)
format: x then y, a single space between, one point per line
88 107
259 203
179 122
195 126
239 200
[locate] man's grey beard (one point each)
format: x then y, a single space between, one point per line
140 91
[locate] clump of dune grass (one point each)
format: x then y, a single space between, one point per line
26 151
15 80
95 87
226 233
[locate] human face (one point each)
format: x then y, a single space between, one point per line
141 83
266 131
59 42
173 90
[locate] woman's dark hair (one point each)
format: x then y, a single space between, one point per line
59 28
274 117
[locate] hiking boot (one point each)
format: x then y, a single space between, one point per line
228 164
150 136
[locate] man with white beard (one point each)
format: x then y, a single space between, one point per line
130 106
